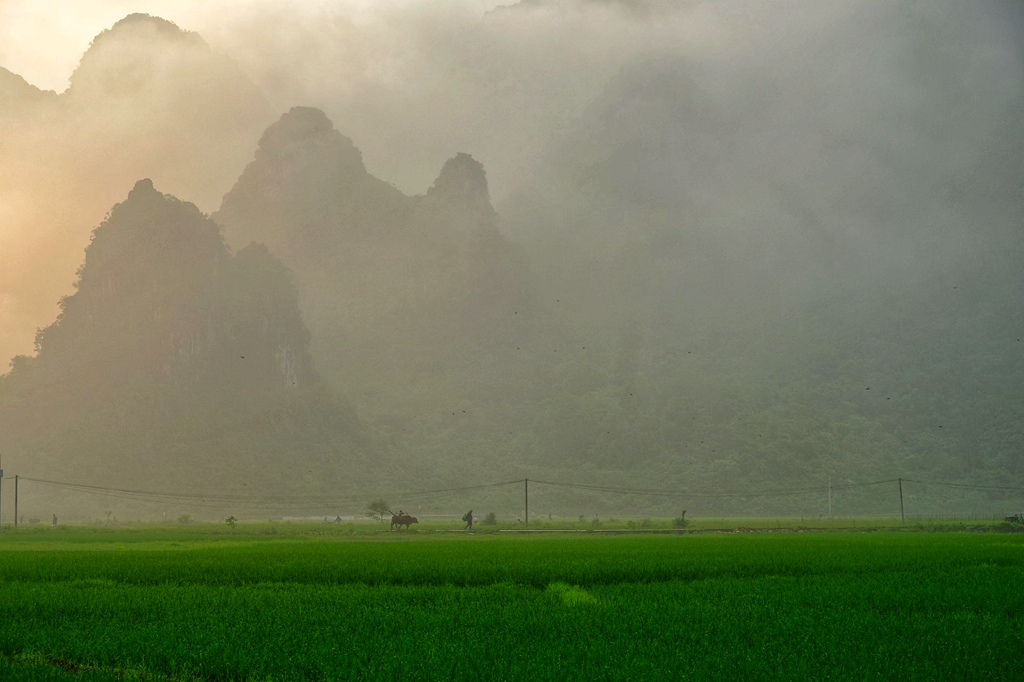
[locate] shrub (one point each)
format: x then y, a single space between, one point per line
490 520
378 509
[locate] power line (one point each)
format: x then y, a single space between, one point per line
443 491
968 486
197 500
324 499
83 487
261 501
683 492
863 485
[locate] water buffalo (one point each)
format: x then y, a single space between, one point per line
403 520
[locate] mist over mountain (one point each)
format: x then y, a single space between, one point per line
418 306
147 100
717 245
176 360
796 230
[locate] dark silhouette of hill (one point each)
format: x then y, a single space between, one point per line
147 100
418 306
179 363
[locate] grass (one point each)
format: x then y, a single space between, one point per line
302 603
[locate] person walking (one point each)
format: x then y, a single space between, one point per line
468 518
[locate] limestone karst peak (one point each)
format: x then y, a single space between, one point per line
147 25
142 186
307 132
138 51
461 177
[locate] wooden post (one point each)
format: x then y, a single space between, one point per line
15 501
903 518
830 497
526 491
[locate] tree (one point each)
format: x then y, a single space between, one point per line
378 509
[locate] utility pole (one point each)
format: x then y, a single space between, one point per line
15 501
526 491
1 490
830 497
903 518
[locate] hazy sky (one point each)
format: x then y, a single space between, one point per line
42 40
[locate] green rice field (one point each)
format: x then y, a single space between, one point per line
320 602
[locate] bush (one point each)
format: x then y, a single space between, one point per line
185 518
490 520
378 509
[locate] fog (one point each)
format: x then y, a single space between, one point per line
718 212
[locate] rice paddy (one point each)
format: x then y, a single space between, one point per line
309 602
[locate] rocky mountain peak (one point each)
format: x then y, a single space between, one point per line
147 236
140 26
462 178
142 187
137 52
306 133
459 196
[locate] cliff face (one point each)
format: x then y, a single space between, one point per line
174 356
159 297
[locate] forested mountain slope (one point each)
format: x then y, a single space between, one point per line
808 275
